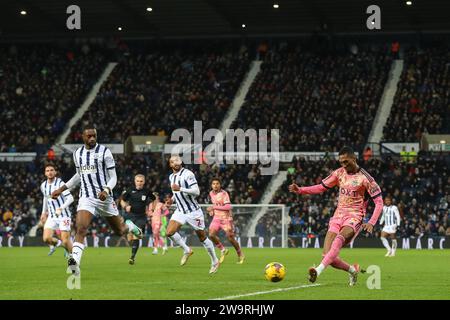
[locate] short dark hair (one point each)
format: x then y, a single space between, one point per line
347 151
89 126
50 164
216 179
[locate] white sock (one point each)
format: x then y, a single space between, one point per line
394 244
51 247
59 243
209 246
351 269
385 243
77 251
178 240
320 268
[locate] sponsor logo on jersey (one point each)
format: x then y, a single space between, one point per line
88 169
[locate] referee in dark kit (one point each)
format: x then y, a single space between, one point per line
135 201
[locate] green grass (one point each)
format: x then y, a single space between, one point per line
28 273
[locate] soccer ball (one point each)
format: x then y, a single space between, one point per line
274 272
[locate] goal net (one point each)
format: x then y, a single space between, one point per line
258 225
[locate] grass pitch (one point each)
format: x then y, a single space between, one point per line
28 273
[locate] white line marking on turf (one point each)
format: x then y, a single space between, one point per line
269 291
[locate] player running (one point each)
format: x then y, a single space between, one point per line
347 221
391 220
158 212
135 201
185 188
221 211
95 170
56 212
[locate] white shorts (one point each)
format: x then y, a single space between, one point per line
107 208
390 229
195 218
61 223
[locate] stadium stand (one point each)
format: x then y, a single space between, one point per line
421 104
41 87
320 101
154 92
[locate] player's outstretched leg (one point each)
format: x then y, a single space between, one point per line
209 246
83 221
172 233
338 243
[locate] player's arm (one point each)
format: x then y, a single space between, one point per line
382 216
44 213
397 215
111 168
68 200
124 201
327 183
226 206
374 191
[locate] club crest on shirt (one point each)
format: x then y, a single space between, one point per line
355 183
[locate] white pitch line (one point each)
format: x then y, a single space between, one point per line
264 292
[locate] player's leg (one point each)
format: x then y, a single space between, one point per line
64 233
209 246
338 263
178 219
229 231
156 230
214 229
66 242
385 242
135 244
51 241
394 243
83 220
232 238
339 241
163 235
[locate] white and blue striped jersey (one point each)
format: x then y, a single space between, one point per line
390 216
47 189
185 202
92 165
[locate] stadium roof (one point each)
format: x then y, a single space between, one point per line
199 18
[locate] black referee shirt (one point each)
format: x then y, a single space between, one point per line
138 199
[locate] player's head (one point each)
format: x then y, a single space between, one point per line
388 201
139 181
216 184
156 195
175 162
90 136
50 171
347 159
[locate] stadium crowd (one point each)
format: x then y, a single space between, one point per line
420 189
156 92
323 100
21 199
41 88
422 101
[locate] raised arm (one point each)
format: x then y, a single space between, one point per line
327 183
